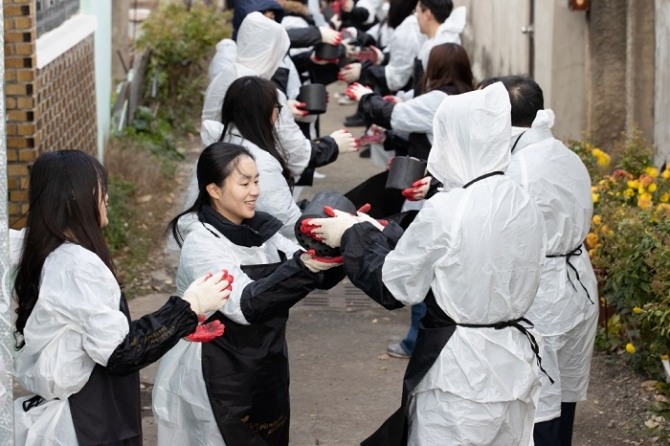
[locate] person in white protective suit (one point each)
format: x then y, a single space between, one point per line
441 25
235 390
77 350
247 115
474 254
565 310
262 43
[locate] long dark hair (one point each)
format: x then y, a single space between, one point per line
249 104
448 65
65 190
215 164
399 10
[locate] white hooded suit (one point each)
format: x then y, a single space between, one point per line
478 249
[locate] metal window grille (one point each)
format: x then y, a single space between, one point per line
52 13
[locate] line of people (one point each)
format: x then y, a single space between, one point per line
491 251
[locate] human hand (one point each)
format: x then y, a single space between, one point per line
418 190
206 332
379 55
347 5
350 73
345 141
363 216
328 230
316 263
350 50
356 91
330 36
209 293
392 99
297 108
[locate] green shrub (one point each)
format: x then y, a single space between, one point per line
181 41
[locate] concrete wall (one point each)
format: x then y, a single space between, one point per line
102 11
493 36
662 82
497 46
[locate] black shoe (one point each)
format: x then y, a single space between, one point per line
355 120
365 153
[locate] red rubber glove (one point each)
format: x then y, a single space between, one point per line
418 190
206 332
316 264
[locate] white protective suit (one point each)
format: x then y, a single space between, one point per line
226 53
261 45
481 251
403 48
180 402
276 198
416 115
448 32
75 324
562 311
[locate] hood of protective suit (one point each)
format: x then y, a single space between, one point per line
261 44
453 26
471 134
245 7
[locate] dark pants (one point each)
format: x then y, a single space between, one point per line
556 432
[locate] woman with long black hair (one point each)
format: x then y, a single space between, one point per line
77 349
235 391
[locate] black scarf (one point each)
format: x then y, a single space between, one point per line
252 232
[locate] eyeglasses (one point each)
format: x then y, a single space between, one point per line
278 107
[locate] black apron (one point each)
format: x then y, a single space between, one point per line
435 330
107 410
246 373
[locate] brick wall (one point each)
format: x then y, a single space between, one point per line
47 109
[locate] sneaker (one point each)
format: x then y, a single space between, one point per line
397 351
355 120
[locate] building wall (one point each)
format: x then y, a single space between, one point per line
20 74
102 11
50 107
662 83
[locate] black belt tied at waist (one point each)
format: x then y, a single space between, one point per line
575 252
516 323
434 332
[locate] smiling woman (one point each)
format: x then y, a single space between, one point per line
235 390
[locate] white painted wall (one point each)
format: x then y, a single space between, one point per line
102 10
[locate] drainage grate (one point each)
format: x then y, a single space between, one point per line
344 296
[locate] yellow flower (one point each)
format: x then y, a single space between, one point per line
595 197
663 208
628 193
633 184
602 158
666 173
651 171
606 230
637 310
630 348
652 187
665 197
592 239
592 253
644 201
596 220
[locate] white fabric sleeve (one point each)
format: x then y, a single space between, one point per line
416 115
226 53
403 50
408 270
298 148
276 198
